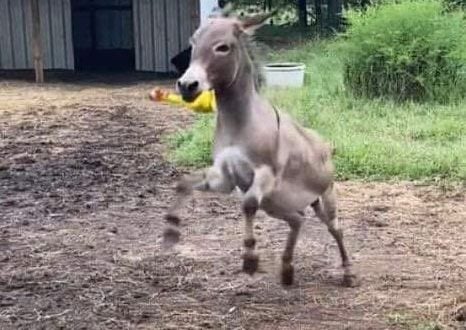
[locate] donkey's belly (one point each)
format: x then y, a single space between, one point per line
289 198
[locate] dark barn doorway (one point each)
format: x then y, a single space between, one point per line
103 35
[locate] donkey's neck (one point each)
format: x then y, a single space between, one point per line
234 102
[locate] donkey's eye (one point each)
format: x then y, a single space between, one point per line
223 49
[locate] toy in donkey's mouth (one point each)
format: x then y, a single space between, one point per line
204 103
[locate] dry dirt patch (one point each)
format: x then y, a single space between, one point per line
83 188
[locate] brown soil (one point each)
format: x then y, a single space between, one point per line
83 189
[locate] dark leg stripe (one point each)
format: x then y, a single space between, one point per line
250 243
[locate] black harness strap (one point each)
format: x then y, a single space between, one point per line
277 115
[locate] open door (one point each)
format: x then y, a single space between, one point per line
103 35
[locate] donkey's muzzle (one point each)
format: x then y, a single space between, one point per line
189 89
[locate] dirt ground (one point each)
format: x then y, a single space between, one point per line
83 189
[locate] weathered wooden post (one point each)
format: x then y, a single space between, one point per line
335 11
319 17
302 13
37 42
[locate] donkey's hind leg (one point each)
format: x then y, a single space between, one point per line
295 221
210 179
326 210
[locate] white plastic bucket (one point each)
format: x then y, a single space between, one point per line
284 74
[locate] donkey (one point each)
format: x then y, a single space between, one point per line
280 167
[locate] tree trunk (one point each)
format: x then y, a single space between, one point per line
319 18
335 11
302 12
37 42
269 7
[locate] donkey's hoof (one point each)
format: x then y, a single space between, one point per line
171 236
351 281
250 263
287 274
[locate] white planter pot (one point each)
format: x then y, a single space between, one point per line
284 74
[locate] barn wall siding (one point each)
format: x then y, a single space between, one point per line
162 29
6 49
68 35
16 34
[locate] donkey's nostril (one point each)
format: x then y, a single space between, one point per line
193 86
188 89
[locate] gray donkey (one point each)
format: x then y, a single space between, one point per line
279 166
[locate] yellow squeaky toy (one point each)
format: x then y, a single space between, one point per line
204 103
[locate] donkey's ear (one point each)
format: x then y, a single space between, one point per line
250 24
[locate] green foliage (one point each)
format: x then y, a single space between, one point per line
409 50
455 4
193 146
286 14
374 140
409 322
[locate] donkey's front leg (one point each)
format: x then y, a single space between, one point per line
184 190
209 179
261 186
250 258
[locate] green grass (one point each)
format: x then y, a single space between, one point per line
409 322
375 139
192 147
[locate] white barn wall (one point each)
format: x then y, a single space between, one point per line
207 6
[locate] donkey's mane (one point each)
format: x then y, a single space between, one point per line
249 44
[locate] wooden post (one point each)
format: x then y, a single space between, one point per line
302 13
37 42
335 11
319 18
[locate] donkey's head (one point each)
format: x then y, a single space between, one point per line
219 55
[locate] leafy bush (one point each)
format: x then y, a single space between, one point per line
406 51
455 4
